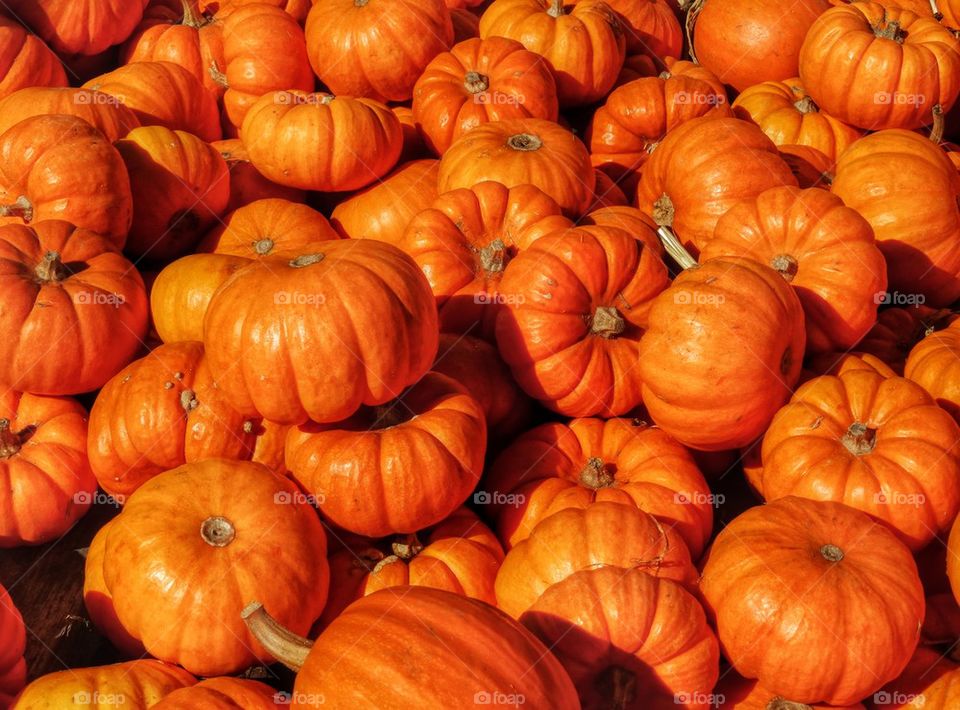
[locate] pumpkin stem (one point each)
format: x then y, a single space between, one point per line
493 257
935 9
475 82
596 475
327 99
9 442
778 703
939 124
806 105
219 78
217 531
618 687
190 18
305 260
22 208
188 400
263 246
693 10
785 265
525 142
384 562
860 439
889 30
51 269
831 553
360 3
284 645
663 214
607 322
556 8
407 547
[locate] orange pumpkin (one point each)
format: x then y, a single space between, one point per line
297 9
265 227
920 60
48 485
360 302
13 669
398 467
639 225
224 694
627 639
163 94
102 111
578 302
479 81
906 188
833 567
25 60
94 308
522 151
583 44
603 533
359 139
650 26
460 554
383 210
376 48
788 116
185 535
853 438
704 167
558 466
246 183
79 26
62 168
932 364
465 240
825 250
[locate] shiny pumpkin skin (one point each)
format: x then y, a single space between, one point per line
353 141
180 187
160 412
25 60
577 303
855 438
603 533
628 639
246 183
140 683
932 364
920 60
822 248
460 555
777 563
388 669
582 42
704 167
557 466
13 634
95 309
907 189
478 81
163 94
376 49
723 349
396 468
58 167
47 482
788 116
383 210
79 26
465 240
184 535
100 110
522 151
224 694
340 291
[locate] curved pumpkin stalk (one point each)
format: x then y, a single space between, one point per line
939 124
695 8
281 643
663 212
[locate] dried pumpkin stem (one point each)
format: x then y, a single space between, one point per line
22 208
889 30
217 531
607 322
219 78
493 257
475 82
525 142
556 8
190 18
281 643
407 547
859 439
263 246
806 105
935 9
786 266
188 400
939 124
305 260
663 214
831 553
385 562
51 268
9 442
779 703
596 475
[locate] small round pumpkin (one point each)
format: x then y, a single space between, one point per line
351 142
79 26
246 183
25 60
376 48
627 639
933 364
224 693
61 168
398 467
13 635
479 81
265 227
465 240
577 303
189 534
102 111
70 287
163 94
603 533
368 314
522 151
831 566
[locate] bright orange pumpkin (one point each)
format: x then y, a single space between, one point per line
650 26
79 26
13 669
102 111
933 364
25 60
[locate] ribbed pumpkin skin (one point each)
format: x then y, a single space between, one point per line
388 669
776 563
100 110
933 364
79 26
25 60
47 482
723 349
603 533
265 227
906 188
140 683
557 466
626 636
13 635
822 248
577 304
344 292
223 694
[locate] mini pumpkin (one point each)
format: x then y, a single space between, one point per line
79 26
